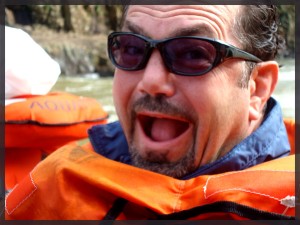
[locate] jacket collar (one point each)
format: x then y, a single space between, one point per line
268 142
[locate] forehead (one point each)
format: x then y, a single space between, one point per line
215 21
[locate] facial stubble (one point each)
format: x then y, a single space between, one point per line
158 162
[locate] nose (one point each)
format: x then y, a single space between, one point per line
157 80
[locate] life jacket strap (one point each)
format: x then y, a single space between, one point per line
116 209
227 207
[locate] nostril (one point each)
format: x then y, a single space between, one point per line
155 78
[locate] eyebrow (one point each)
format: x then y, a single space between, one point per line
134 28
199 30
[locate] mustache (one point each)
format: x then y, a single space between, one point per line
161 105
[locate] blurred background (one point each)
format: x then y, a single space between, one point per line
75 36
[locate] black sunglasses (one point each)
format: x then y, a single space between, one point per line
184 55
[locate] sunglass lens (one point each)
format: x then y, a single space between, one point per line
127 51
189 56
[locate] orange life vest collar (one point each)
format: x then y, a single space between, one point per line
76 190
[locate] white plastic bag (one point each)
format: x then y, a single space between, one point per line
29 70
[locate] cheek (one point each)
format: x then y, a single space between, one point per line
117 93
123 88
203 97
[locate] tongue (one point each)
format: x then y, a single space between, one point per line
167 129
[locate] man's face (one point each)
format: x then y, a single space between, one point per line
174 124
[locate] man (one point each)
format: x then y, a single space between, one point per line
192 91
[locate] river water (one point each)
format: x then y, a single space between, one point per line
101 89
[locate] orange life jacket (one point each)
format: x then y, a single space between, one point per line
39 125
75 183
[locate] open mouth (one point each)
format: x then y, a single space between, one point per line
160 129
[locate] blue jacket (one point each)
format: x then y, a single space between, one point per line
268 142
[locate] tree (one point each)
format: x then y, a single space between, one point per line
66 14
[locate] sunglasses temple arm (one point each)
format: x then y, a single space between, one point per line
238 53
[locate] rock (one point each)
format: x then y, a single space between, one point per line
77 54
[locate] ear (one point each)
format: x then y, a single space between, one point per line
262 83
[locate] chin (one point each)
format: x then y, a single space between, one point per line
159 163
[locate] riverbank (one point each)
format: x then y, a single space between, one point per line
77 54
